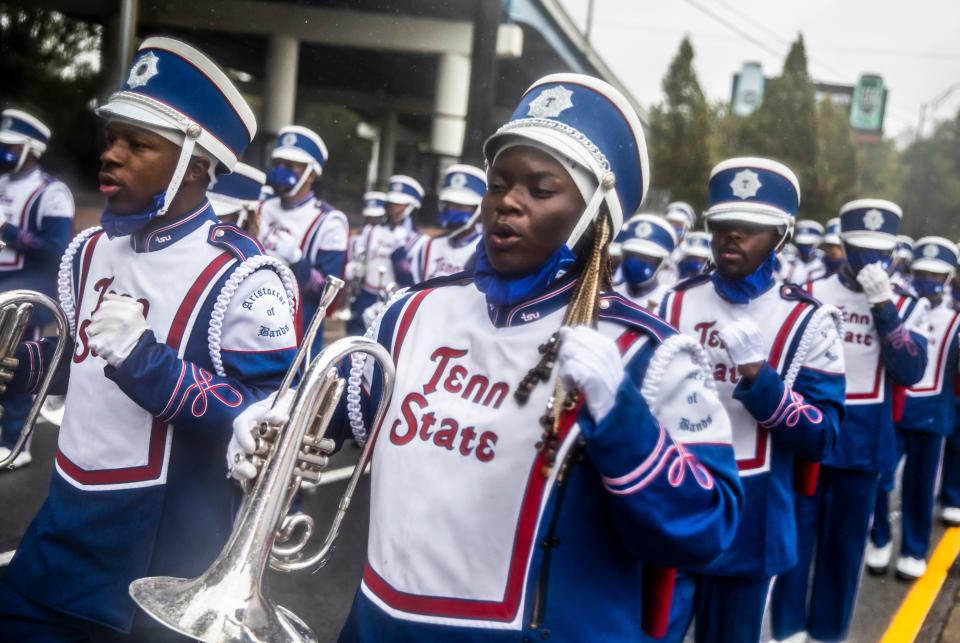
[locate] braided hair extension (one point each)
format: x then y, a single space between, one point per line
581 311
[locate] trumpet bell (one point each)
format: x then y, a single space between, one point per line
202 611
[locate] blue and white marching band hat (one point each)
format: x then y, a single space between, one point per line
21 128
404 190
904 248
808 232
374 204
870 223
178 93
300 145
233 192
681 212
832 233
592 127
935 254
754 190
697 244
649 234
463 184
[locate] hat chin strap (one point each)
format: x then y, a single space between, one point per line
590 212
24 151
186 153
300 182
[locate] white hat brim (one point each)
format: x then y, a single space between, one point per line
932 265
869 240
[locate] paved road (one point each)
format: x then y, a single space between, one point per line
323 599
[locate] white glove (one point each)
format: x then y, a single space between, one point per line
371 313
875 283
744 342
116 327
243 444
283 245
591 362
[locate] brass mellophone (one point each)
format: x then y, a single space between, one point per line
229 602
16 310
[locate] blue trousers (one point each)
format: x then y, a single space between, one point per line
834 523
728 609
918 488
24 621
950 484
363 301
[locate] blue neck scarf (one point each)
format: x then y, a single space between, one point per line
690 266
502 290
928 287
455 216
832 265
858 257
282 179
741 291
639 273
122 225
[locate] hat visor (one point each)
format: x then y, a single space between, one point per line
869 240
223 206
400 198
757 216
807 239
134 114
644 247
699 253
553 139
374 212
460 197
294 154
831 239
932 265
13 138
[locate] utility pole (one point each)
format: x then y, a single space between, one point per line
589 26
931 106
483 69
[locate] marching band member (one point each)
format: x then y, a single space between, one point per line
778 366
928 416
36 217
683 218
487 525
235 197
902 258
386 248
695 252
807 265
832 248
178 323
305 233
881 348
647 245
450 253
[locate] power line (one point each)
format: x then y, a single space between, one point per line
732 27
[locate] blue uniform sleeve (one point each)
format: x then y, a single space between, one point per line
46 246
312 275
34 360
904 351
804 418
671 479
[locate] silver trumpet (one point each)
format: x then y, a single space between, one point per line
229 601
16 310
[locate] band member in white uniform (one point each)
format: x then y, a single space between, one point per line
646 246
807 264
36 220
695 254
178 322
235 197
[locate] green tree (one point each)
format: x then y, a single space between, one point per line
930 193
880 170
784 127
680 133
835 174
47 62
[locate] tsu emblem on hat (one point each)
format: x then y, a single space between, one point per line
753 190
935 254
745 184
301 145
289 139
650 235
144 68
404 190
590 123
870 223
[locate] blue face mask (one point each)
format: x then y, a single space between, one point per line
859 258
638 271
8 160
741 291
121 225
281 179
454 216
806 251
832 265
510 291
928 287
690 266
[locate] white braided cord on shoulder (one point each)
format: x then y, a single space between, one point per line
822 320
65 276
244 270
664 355
358 362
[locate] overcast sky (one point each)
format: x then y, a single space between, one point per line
914 45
